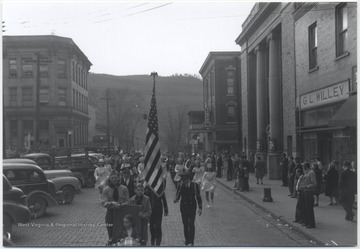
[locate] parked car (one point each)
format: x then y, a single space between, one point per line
42 159
15 208
63 179
40 191
81 166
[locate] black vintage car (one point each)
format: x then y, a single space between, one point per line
42 159
15 208
32 181
82 167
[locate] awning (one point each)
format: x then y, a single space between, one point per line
347 113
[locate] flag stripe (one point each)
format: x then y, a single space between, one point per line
152 162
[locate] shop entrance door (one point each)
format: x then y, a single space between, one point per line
324 147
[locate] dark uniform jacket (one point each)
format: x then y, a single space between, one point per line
190 195
347 184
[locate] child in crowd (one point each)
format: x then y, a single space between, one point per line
129 235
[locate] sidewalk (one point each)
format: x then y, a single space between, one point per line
331 227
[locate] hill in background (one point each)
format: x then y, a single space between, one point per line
173 94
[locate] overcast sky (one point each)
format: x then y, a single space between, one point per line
127 38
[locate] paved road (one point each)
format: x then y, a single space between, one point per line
231 222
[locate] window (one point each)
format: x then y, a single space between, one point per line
13 96
231 113
28 126
44 71
354 79
62 96
312 46
44 125
341 29
230 82
12 68
61 68
13 128
27 67
73 70
44 95
27 96
73 98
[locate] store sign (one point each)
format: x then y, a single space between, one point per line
325 96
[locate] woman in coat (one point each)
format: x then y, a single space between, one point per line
332 181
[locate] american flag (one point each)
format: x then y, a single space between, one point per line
152 162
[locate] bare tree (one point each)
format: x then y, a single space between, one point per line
175 130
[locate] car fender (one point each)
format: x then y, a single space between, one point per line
18 213
47 197
66 180
79 176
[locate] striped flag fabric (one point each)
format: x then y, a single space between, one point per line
152 161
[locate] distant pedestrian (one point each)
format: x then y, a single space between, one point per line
308 185
331 183
319 178
297 172
179 168
291 175
230 168
198 172
300 204
219 165
284 167
347 188
189 194
208 184
259 170
236 161
246 167
101 175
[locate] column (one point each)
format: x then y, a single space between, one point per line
275 144
260 102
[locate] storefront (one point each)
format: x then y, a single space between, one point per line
328 124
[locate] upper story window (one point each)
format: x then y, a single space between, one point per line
13 96
61 68
230 81
44 96
44 71
44 126
62 96
231 113
27 96
73 71
312 46
12 68
27 67
341 29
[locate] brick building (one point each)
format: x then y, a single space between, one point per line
267 83
220 73
326 66
45 92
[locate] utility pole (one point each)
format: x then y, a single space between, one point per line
107 119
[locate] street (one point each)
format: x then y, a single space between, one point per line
231 222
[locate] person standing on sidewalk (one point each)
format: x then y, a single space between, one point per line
297 172
332 182
236 169
347 188
259 170
189 193
319 178
308 186
246 167
300 208
291 175
284 167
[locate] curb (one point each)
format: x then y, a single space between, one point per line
283 220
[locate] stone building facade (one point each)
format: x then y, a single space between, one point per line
45 93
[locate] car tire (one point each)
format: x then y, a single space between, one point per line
68 193
39 205
7 224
